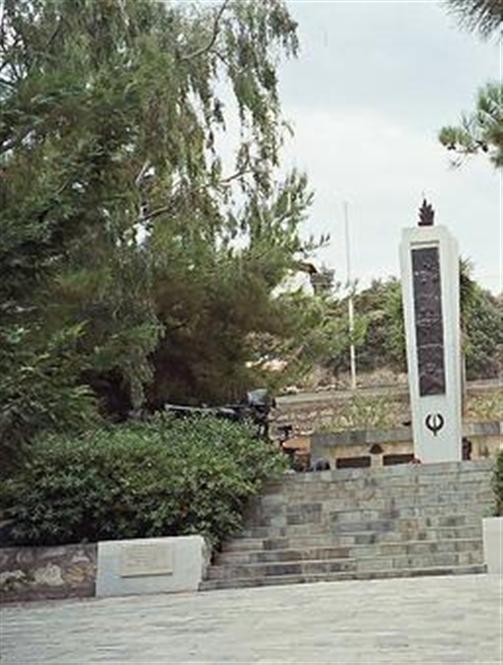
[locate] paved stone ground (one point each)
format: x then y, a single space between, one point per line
433 621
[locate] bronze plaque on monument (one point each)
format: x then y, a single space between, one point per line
428 321
144 559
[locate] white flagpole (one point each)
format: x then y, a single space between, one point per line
351 313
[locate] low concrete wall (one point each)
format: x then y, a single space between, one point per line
111 568
493 544
32 573
486 439
151 565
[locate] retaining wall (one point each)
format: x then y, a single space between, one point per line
32 573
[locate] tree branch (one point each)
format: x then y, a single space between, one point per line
55 33
225 182
6 82
213 39
142 172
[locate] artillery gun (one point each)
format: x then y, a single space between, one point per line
255 408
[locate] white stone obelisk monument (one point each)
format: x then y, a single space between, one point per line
430 290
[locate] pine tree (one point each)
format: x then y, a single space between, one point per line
480 131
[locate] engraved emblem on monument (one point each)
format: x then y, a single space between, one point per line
434 422
428 318
142 559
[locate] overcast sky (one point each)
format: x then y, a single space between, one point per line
373 84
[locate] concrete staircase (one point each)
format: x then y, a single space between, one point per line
359 524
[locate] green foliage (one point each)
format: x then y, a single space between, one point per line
158 478
321 329
320 333
483 328
215 317
497 483
384 342
119 216
38 390
482 130
379 329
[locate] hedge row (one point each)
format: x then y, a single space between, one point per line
160 478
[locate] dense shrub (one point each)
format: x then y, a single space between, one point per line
160 478
498 483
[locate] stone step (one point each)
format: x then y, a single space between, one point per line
375 502
375 480
345 564
361 524
412 524
461 472
355 551
379 500
316 513
453 484
240 583
362 538
367 491
375 476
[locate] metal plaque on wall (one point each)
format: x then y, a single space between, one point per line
428 321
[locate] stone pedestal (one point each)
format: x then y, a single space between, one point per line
430 288
493 544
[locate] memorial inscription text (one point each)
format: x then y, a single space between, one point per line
428 317
143 559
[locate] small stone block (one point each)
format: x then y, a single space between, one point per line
151 565
493 544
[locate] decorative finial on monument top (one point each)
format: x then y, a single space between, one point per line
426 214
